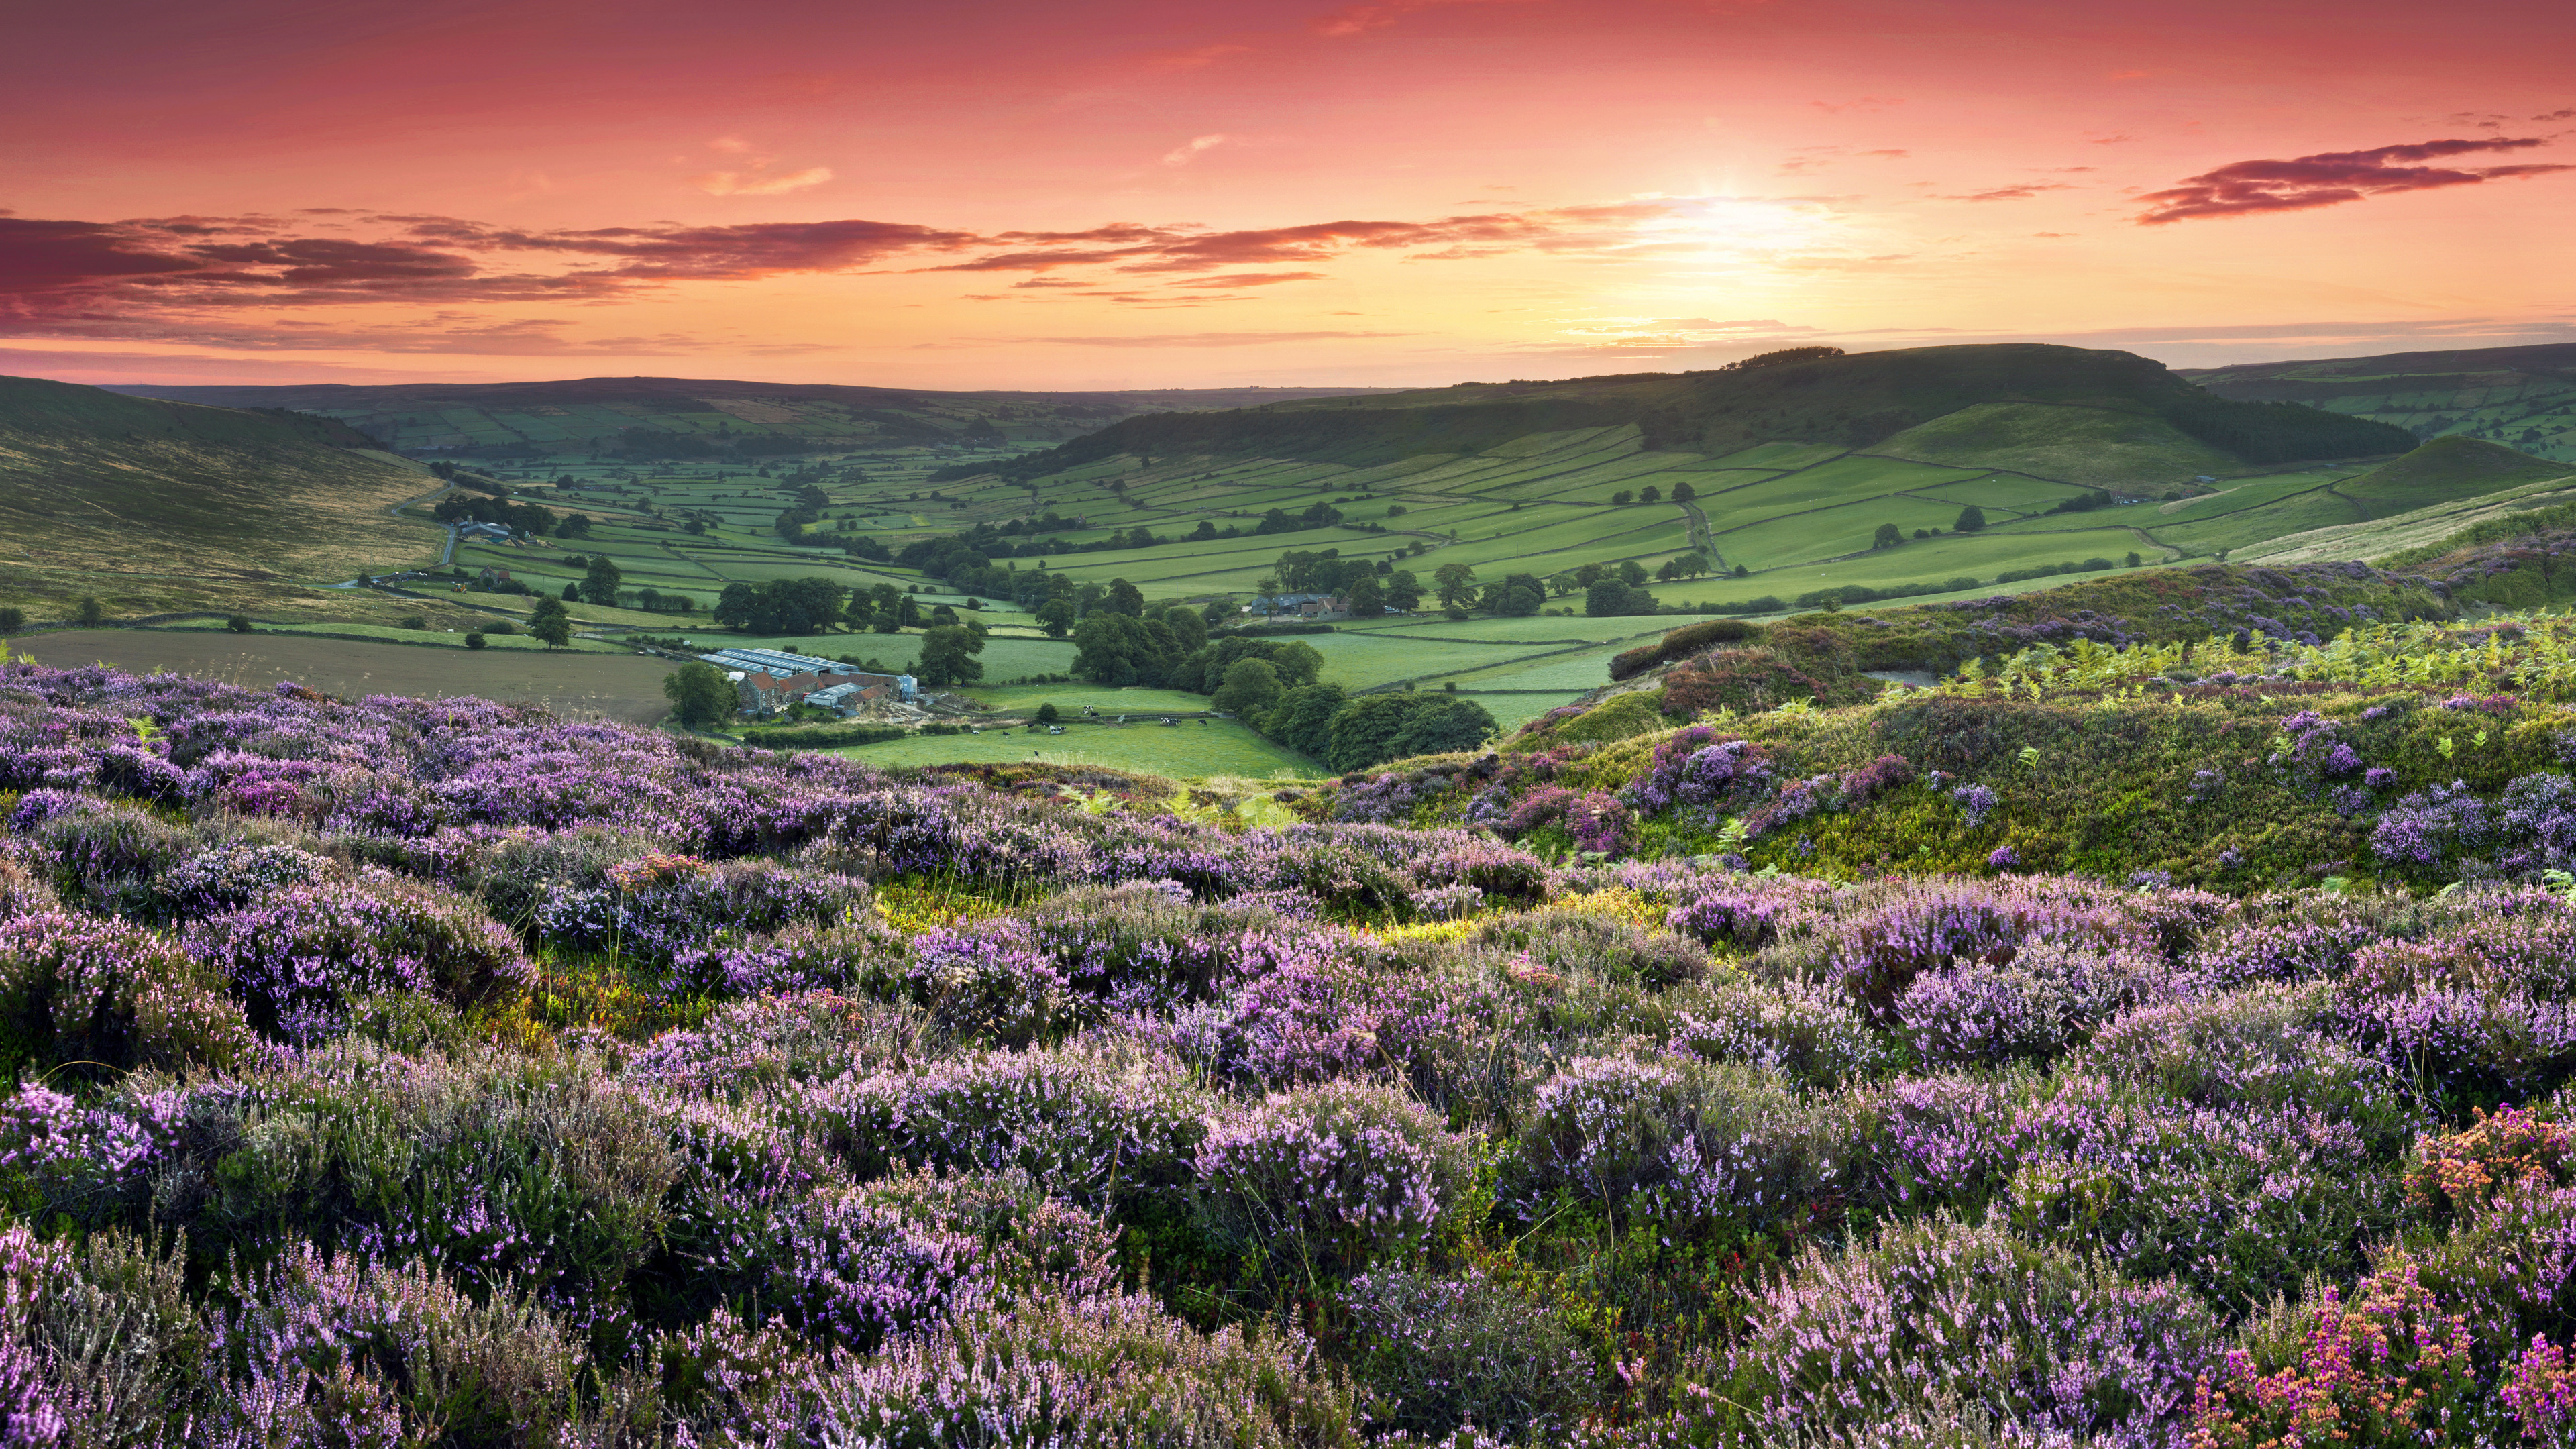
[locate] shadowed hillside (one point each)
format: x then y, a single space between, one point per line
659 416
2524 396
154 503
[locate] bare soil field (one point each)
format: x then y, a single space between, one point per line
619 686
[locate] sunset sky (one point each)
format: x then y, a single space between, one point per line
995 193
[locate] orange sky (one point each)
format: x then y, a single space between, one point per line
989 193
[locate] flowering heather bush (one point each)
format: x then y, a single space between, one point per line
1575 942
912 1109
1799 1029
1099 1373
774 1042
1440 1353
655 907
232 875
300 956
103 996
1911 928
2045 998
857 1266
1695 768
1682 1143
2056 1348
488 1167
1594 821
1975 803
2265 1045
107 859
1324 1180
1105 1130
350 1349
2391 1366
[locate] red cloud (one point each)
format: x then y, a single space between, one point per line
2331 178
174 277
2009 193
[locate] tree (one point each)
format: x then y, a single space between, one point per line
1302 720
601 581
1888 536
87 612
782 606
476 641
572 593
1118 651
1684 493
1048 714
1365 599
1125 598
1055 616
12 620
1622 498
1443 727
238 623
555 629
1652 494
1251 686
1187 629
1631 572
1456 583
1376 728
1972 519
700 695
1403 590
2135 561
947 656
577 526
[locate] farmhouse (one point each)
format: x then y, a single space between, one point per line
770 680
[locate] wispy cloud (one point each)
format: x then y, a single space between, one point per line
2332 178
1207 339
1193 148
753 175
2008 193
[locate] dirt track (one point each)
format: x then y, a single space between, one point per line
619 686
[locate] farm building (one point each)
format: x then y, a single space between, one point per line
770 680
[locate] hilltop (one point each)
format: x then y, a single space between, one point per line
2525 396
697 417
2166 426
152 505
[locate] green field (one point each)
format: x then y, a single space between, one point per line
1189 750
2519 397
1791 480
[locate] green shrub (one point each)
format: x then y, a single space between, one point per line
1621 718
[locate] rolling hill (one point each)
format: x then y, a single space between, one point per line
2524 396
686 417
154 505
2167 427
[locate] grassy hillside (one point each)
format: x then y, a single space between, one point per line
2522 396
682 416
155 505
2447 470
2077 444
1851 402
2234 764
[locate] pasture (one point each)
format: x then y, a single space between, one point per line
1186 751
616 686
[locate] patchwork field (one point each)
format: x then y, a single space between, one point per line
616 686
